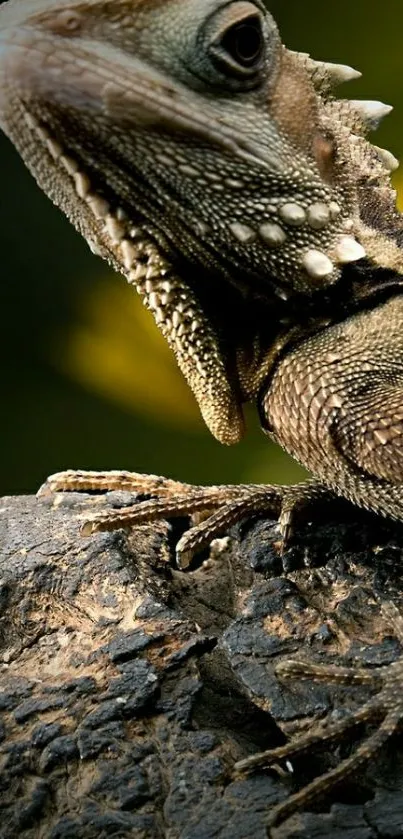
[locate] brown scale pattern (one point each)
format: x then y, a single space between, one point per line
342 394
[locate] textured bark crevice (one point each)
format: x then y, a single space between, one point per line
128 689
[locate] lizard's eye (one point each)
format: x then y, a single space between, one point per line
244 43
237 42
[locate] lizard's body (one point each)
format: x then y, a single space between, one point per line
215 169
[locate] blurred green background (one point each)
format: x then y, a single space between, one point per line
86 379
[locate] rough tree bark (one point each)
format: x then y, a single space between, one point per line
128 689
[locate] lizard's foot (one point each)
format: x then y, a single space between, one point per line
214 509
386 705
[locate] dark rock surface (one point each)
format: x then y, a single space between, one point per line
128 689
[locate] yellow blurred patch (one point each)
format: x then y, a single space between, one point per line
398 184
118 352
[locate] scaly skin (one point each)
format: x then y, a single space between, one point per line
215 169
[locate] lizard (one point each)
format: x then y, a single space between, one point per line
218 171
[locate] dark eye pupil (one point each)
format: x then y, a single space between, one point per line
244 42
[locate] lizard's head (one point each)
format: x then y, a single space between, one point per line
197 154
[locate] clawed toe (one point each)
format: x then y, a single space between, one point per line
386 705
115 480
212 510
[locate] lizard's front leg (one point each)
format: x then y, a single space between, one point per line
336 404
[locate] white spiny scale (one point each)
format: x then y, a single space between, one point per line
42 133
242 232
154 300
388 159
349 250
140 272
336 73
335 209
159 316
94 248
82 184
340 73
71 166
272 234
371 111
128 253
318 215
292 214
54 148
98 205
30 121
114 229
317 264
